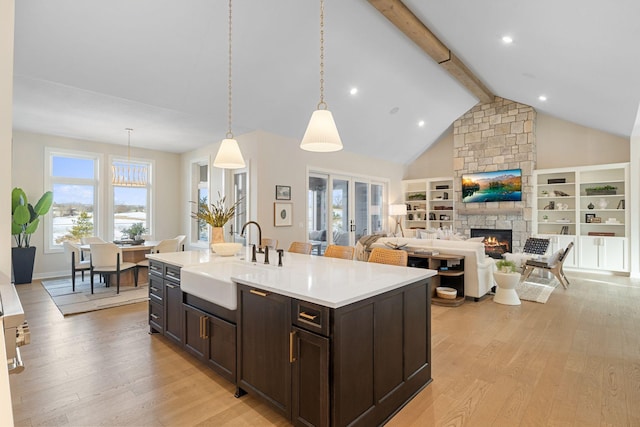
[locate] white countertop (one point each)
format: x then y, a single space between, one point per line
330 282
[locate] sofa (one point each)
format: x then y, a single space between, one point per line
478 267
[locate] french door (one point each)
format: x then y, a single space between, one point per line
341 208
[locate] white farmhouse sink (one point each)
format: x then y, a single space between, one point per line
212 281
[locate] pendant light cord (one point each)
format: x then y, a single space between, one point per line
129 145
229 133
322 103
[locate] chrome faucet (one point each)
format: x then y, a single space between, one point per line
259 233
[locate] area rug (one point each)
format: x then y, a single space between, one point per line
536 289
82 301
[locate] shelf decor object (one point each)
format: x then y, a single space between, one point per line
321 134
605 190
229 155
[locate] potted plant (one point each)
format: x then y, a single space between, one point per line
507 277
25 219
598 191
216 215
135 231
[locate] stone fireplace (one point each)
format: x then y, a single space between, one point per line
493 137
496 242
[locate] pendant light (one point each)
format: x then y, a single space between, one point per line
229 155
321 134
128 174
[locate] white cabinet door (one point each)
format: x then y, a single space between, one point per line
590 252
614 254
604 253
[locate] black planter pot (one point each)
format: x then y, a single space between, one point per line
22 260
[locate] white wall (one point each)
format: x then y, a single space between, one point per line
28 173
559 144
277 160
7 9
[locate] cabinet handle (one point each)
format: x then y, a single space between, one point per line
171 274
154 289
259 293
292 335
205 329
171 286
200 331
307 316
154 316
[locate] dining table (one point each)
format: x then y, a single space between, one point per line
131 252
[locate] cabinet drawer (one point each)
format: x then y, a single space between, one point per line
156 316
156 290
155 267
172 272
311 317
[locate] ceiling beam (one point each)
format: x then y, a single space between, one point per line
400 16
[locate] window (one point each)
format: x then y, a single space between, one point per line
72 176
131 198
200 194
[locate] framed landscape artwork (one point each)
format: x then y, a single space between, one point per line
283 192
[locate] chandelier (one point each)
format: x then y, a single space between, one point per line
129 174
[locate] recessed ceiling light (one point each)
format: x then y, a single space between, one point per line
421 123
353 90
507 40
542 98
394 110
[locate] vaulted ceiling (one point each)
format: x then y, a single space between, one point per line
89 69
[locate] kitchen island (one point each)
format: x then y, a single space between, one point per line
325 341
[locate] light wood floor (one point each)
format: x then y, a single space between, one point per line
574 361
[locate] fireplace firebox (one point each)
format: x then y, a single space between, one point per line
496 242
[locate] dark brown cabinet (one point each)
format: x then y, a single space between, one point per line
210 339
310 378
354 365
264 346
165 300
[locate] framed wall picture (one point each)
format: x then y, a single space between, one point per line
283 192
282 214
588 218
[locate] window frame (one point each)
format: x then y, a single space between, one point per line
150 189
50 181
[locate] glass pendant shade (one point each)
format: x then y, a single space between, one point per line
321 134
229 155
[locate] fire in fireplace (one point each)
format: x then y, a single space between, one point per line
496 242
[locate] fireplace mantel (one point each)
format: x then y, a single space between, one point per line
491 211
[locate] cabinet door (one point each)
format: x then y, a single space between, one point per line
194 332
263 359
310 382
614 254
222 347
590 252
173 311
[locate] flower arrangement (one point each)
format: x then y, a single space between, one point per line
215 214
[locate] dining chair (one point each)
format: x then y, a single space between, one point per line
87 241
72 251
272 243
337 251
167 245
180 238
389 256
106 259
553 264
301 247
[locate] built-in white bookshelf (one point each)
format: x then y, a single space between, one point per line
429 203
587 206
